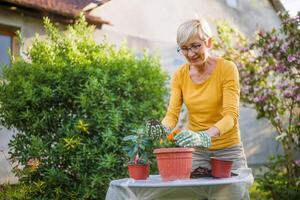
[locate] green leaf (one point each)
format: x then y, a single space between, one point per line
130 138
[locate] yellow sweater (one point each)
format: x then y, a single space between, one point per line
214 102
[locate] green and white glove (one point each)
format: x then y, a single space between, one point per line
187 138
156 130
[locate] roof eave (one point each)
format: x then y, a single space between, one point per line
73 15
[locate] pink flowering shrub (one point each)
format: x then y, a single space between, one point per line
270 81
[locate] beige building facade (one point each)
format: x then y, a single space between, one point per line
152 24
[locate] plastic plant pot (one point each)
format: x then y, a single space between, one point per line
138 171
221 168
174 163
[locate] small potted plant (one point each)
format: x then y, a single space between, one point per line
173 162
138 149
220 167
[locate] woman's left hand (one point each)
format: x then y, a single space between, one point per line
188 138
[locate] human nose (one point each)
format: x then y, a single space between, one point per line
189 50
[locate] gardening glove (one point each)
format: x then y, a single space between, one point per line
156 130
187 138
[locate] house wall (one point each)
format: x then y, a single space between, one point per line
158 20
29 27
153 24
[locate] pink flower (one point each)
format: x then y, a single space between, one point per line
256 99
246 89
273 38
280 68
244 49
298 98
283 48
287 94
291 58
261 33
259 99
33 163
295 88
136 159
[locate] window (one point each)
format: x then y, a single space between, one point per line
7 42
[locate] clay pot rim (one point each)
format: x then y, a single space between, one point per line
132 164
221 159
173 149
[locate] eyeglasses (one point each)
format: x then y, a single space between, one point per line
185 50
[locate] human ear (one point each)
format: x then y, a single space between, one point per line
209 42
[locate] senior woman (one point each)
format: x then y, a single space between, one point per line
209 87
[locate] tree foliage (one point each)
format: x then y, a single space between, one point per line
72 102
270 81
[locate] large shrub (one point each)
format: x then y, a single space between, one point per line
72 102
270 78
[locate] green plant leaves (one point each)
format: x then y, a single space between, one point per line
269 77
72 103
132 138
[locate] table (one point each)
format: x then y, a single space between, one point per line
154 188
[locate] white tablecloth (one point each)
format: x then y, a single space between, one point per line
154 188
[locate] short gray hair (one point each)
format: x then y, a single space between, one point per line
191 29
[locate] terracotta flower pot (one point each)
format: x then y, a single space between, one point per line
221 168
174 163
138 171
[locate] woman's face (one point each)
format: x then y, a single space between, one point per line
196 51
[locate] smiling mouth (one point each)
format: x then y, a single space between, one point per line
194 60
198 58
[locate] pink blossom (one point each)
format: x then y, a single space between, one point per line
245 91
283 85
244 49
287 94
291 58
136 159
261 33
281 68
298 99
274 38
259 99
283 48
33 163
295 88
256 99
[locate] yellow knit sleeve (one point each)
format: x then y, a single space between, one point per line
175 103
231 98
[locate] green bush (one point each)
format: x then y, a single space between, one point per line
257 194
275 180
72 102
14 192
269 79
